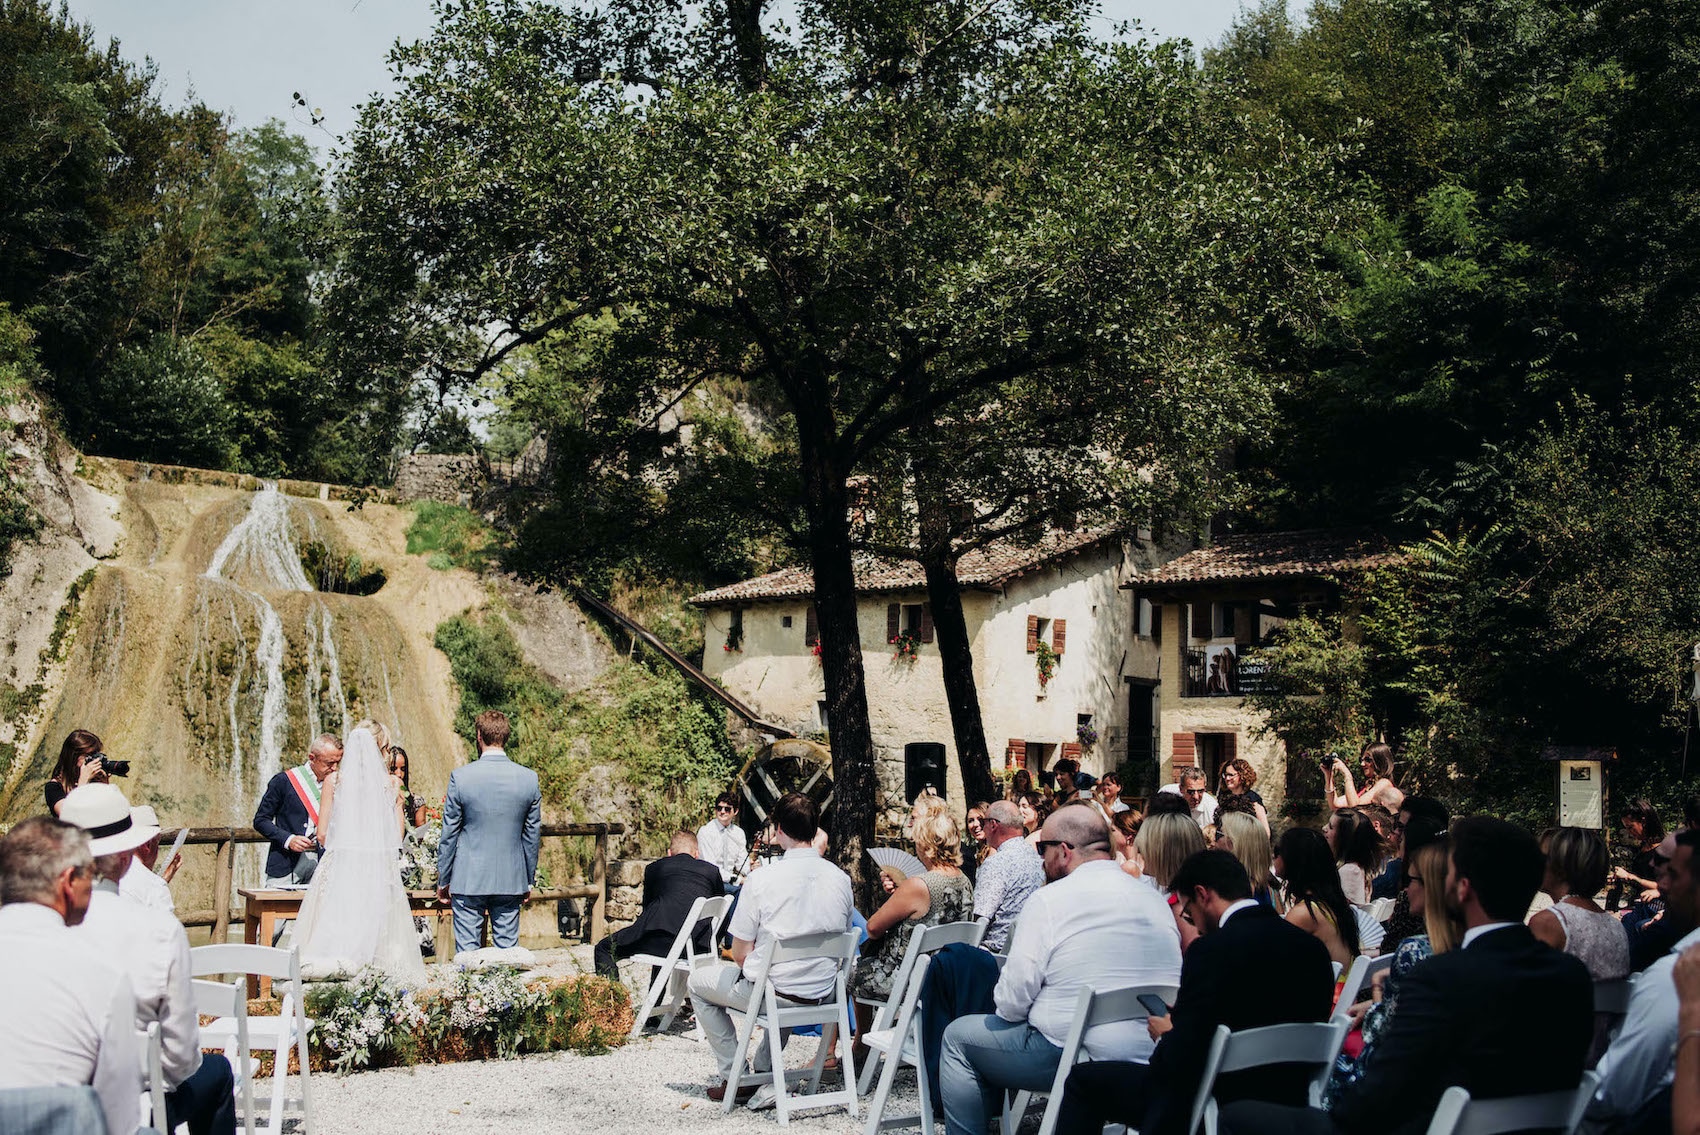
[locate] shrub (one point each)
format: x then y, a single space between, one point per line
449 531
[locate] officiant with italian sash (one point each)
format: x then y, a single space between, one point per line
288 814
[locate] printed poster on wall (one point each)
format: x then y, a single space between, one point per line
1222 671
1579 802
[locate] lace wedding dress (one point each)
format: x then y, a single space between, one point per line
356 912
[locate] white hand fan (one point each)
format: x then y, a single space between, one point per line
898 860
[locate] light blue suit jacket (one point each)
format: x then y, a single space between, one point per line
492 821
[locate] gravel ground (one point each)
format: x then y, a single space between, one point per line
642 1088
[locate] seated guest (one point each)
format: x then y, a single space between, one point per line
140 884
1034 807
1577 862
671 886
1357 853
974 849
1635 1072
1428 877
941 894
1163 844
1109 794
1237 936
1310 888
70 1015
1503 1015
799 893
153 949
1412 836
1009 875
1090 927
721 841
1247 840
1190 785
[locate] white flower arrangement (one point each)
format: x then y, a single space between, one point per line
370 1014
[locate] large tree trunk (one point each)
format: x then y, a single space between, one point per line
855 787
956 657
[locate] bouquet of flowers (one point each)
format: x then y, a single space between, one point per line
488 1003
419 853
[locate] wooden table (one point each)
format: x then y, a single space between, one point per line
262 910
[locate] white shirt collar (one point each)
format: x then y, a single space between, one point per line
1234 909
799 852
1485 928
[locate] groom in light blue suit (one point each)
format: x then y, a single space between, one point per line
492 821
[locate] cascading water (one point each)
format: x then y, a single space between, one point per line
261 550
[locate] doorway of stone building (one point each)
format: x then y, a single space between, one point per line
1211 751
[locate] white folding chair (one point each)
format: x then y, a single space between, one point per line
774 1015
673 971
275 1035
898 1046
1094 1008
1309 1043
1359 980
924 940
212 999
154 1098
1458 1114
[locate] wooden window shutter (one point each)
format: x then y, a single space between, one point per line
1071 750
1157 622
1201 627
811 627
893 620
1185 752
1015 753
1059 635
926 622
1032 634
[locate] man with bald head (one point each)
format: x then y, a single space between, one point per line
1091 926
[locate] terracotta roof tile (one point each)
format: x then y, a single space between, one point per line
1273 554
987 567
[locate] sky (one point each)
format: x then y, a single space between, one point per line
249 57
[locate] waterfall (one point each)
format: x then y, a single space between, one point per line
262 549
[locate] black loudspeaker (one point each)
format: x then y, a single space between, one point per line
923 768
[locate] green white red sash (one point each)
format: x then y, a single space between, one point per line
306 787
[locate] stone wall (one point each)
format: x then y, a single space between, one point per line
625 891
454 478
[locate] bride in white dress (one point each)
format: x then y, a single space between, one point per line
356 912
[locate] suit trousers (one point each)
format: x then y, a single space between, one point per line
983 1055
1104 1091
469 911
625 943
1254 1117
205 1101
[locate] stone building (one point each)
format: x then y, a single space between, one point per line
1197 615
1061 603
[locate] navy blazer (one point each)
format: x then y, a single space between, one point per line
279 816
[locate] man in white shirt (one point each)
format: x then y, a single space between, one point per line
1010 874
1092 926
721 841
1190 785
139 883
153 949
70 1015
801 893
1637 1069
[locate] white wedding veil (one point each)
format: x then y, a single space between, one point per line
356 912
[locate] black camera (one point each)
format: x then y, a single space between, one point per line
114 768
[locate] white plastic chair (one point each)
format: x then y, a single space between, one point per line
1309 1043
1458 1114
154 1098
673 971
1095 1007
898 1046
924 940
767 1010
1358 980
275 1035
212 999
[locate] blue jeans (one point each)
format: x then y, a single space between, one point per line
469 919
983 1055
204 1100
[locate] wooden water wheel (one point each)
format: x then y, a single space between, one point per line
787 765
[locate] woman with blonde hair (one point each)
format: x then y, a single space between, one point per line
1426 893
1245 838
1164 842
942 894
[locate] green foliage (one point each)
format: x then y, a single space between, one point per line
663 744
18 520
452 536
343 573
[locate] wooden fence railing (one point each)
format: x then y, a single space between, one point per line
223 841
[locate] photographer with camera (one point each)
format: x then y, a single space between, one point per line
80 762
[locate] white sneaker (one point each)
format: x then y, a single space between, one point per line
763 1099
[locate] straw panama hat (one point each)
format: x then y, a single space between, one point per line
102 811
144 815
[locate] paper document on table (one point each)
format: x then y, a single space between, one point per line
176 846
